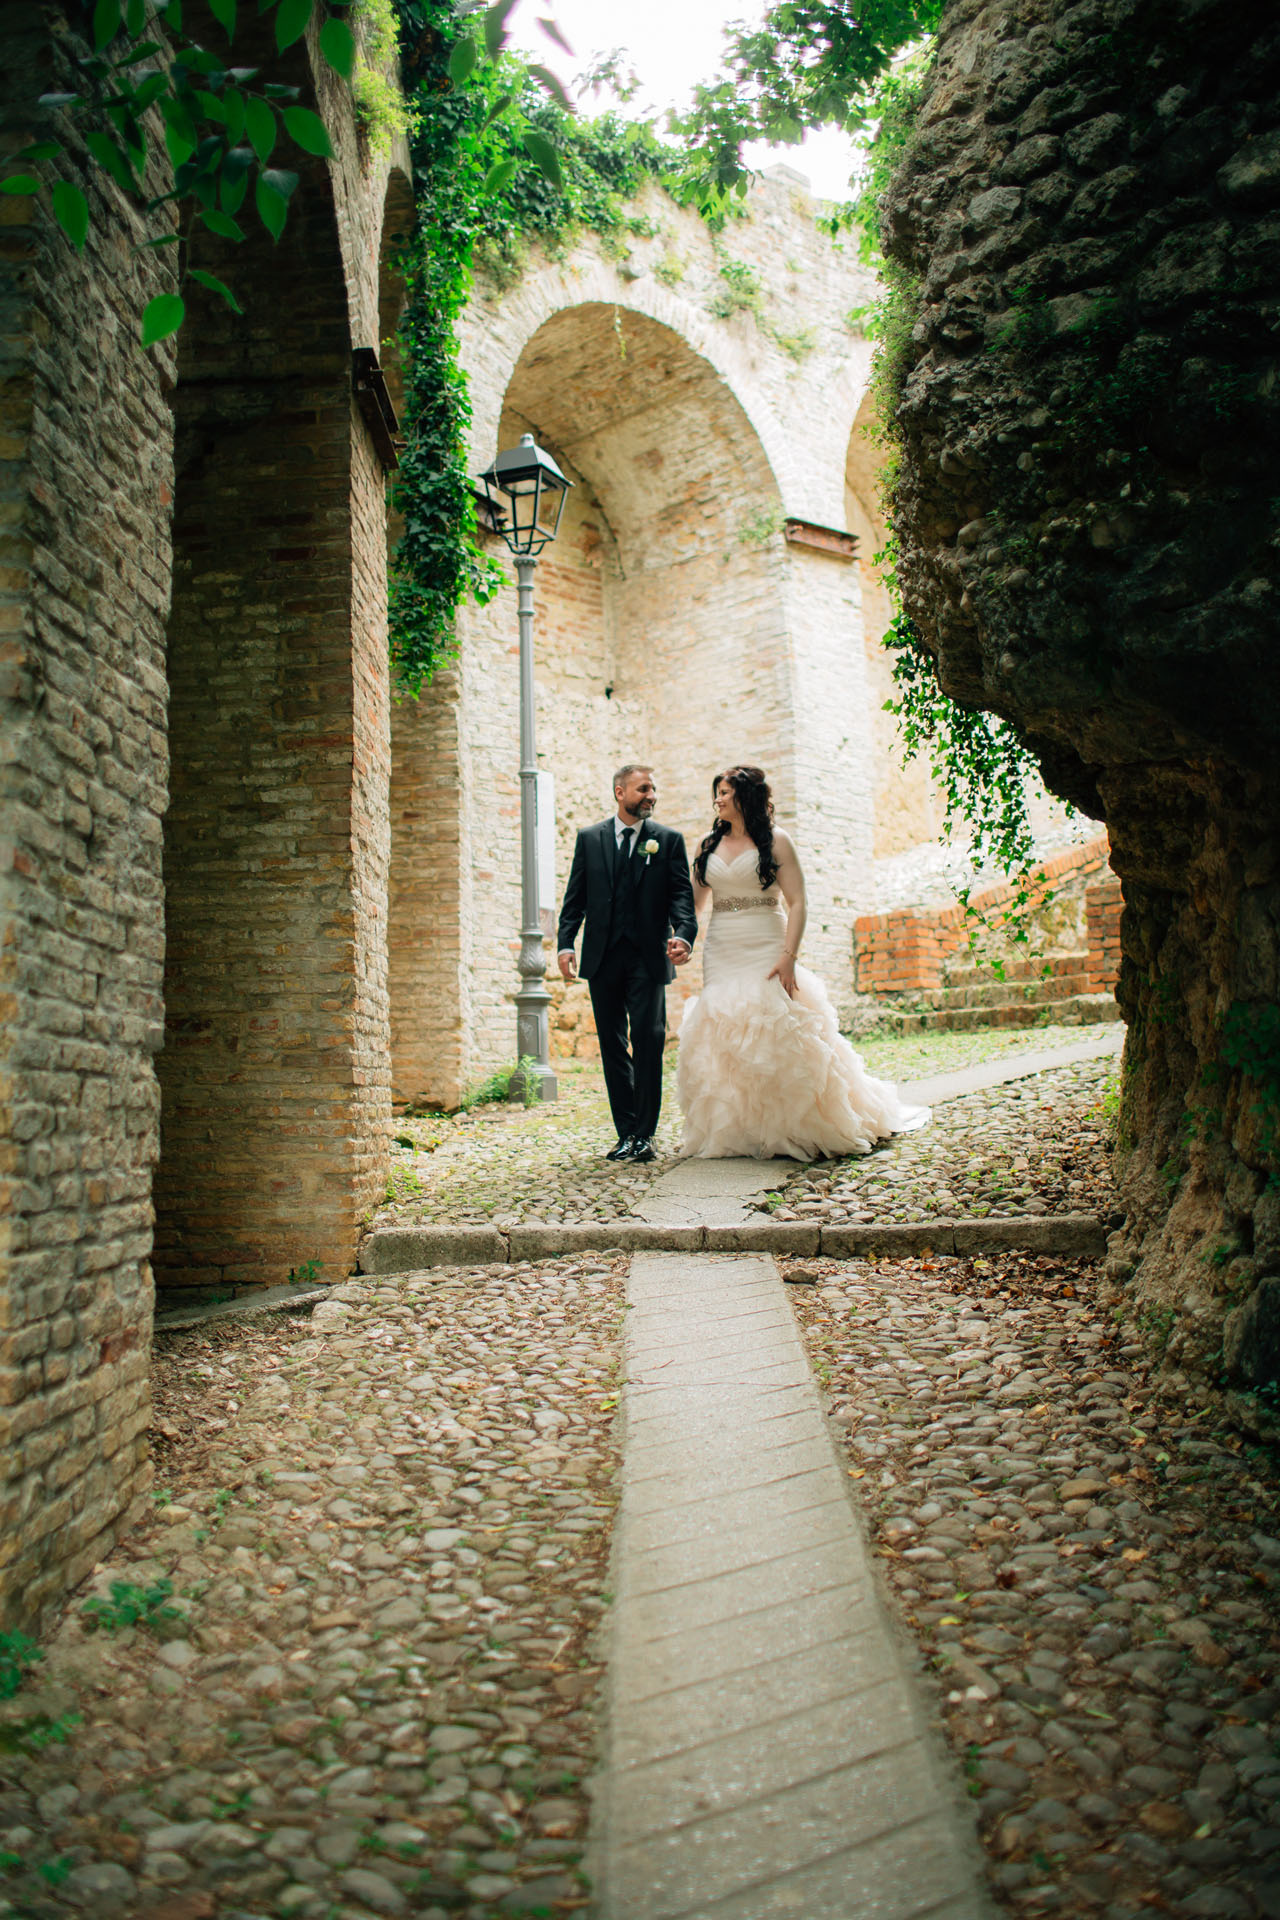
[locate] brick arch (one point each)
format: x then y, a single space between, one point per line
673 622
494 342
274 1073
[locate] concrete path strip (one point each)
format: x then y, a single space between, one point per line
766 1754
1099 1042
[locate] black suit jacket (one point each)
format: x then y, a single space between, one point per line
663 896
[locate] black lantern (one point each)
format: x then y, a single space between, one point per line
525 490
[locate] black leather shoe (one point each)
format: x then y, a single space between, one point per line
622 1150
642 1148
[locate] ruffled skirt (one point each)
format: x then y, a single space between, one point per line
762 1075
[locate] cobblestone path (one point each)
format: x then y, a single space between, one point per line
352 1662
363 1683
1036 1145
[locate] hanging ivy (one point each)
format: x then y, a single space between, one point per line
497 161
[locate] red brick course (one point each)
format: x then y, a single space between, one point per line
906 951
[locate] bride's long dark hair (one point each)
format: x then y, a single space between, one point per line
755 803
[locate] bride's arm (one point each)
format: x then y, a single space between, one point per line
701 899
791 880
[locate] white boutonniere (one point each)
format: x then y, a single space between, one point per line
648 848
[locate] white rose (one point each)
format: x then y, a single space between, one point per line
650 846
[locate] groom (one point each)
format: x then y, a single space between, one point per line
630 882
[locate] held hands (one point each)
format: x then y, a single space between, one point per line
785 971
677 951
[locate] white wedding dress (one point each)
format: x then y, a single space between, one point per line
761 1074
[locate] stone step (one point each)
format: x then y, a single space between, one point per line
1057 965
1001 993
1079 1010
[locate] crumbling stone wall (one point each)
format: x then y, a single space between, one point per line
1089 517
675 618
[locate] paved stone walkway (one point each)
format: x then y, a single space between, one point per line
766 1756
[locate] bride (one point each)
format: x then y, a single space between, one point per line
763 1068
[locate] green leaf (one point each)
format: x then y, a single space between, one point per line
215 285
71 211
235 104
179 129
106 23
172 15
135 17
495 27
40 150
110 159
338 45
272 204
293 17
20 183
58 99
308 130
551 84
222 224
224 12
462 61
553 32
500 105
235 178
543 155
149 92
211 107
499 176
260 125
165 240
161 317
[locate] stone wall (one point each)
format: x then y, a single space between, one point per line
274 1087
675 620
1069 904
1089 519
86 473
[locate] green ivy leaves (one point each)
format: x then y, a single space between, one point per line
220 124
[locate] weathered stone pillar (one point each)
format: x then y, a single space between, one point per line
85 480
1088 512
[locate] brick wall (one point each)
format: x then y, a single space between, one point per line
907 951
276 1082
86 479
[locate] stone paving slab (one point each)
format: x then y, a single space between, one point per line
711 1193
766 1754
412 1249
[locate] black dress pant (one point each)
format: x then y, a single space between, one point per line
624 994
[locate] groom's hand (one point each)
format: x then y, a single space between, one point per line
677 951
567 964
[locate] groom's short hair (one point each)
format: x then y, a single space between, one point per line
623 774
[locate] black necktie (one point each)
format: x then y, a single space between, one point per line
624 850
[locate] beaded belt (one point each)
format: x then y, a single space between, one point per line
739 903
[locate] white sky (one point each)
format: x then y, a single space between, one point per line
673 44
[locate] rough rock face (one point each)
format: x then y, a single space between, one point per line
1089 518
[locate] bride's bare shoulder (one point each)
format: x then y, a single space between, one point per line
783 843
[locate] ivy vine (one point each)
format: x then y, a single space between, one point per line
479 118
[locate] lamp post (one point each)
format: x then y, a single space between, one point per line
526 491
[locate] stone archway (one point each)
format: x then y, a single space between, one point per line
674 622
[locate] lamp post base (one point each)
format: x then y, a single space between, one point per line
532 1042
